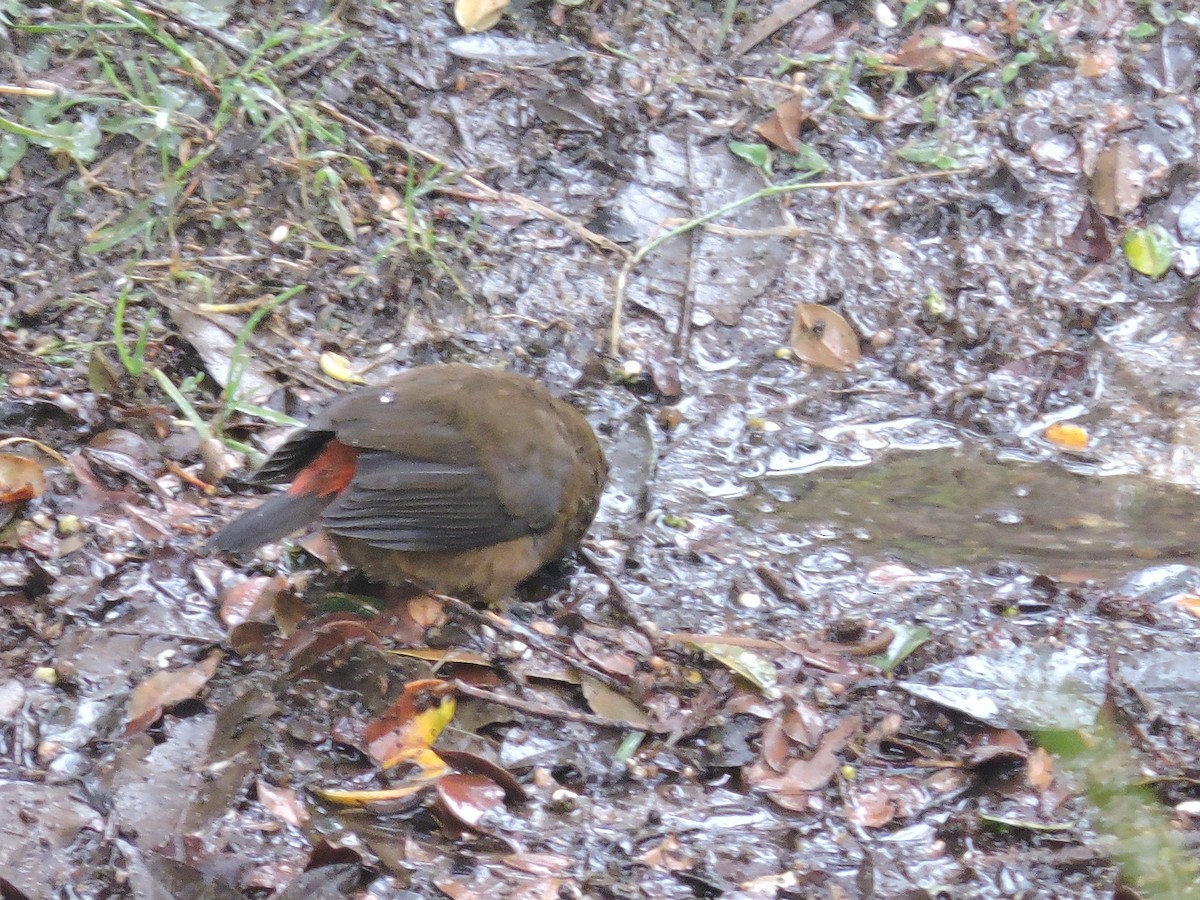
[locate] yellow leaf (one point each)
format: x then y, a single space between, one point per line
338 367
1067 437
478 15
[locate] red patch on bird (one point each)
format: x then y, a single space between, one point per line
328 474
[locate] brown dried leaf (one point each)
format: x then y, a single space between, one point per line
1090 236
164 689
1097 61
606 702
669 854
939 49
822 338
997 744
1058 153
782 126
1039 769
815 772
21 478
464 800
283 803
251 601
1118 182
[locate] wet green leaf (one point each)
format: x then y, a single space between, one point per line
907 639
758 155
1150 251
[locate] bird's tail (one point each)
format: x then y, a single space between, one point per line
276 518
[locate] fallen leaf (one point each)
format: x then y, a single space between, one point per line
251 600
1149 251
478 15
782 126
939 49
21 478
606 702
338 367
1039 769
1065 436
165 689
1118 181
464 801
822 338
1097 61
758 670
814 773
412 723
283 803
1090 236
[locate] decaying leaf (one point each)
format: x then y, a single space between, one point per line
251 600
606 702
758 670
165 689
939 49
463 801
478 15
822 338
782 126
1090 236
282 802
1118 181
412 723
21 478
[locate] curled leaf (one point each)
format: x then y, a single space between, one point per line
338 367
822 338
168 688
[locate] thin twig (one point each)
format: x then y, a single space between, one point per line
614 335
543 711
211 33
506 626
624 604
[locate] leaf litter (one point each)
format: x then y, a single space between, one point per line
102 582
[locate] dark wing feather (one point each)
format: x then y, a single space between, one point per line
398 503
292 455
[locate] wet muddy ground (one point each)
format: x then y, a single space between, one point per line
908 615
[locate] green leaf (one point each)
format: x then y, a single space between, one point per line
758 155
1143 30
758 670
1149 251
907 638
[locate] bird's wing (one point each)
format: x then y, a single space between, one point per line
399 503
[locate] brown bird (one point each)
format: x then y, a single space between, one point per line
462 480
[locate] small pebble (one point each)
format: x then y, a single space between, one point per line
749 600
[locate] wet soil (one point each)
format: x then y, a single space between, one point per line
884 539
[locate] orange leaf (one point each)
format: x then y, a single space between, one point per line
822 338
412 723
1067 437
